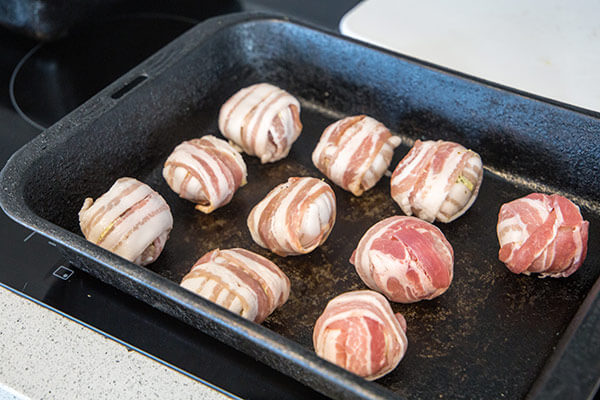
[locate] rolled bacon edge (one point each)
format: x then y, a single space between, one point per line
543 234
241 281
355 152
130 220
263 120
295 217
405 258
206 171
359 331
437 180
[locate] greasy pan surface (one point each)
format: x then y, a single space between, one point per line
489 336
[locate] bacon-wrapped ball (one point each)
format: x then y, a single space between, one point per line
241 281
131 220
437 180
406 259
355 152
263 120
206 171
294 218
359 332
542 234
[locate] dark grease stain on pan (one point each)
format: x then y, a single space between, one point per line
492 332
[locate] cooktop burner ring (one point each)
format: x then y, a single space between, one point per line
36 122
11 87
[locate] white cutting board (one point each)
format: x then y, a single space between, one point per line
547 47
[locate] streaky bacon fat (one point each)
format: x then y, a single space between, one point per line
244 282
437 180
295 217
355 152
263 120
131 220
405 258
359 332
206 171
543 234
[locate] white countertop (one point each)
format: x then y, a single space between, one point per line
546 47
44 355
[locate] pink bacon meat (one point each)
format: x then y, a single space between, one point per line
206 171
355 152
241 281
406 259
543 234
263 120
131 220
359 332
437 180
295 217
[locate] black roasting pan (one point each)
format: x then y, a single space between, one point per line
492 335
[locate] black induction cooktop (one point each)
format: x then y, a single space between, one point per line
41 83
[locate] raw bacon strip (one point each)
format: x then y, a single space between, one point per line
359 332
239 280
131 220
405 258
206 171
355 152
437 180
543 234
294 218
263 120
